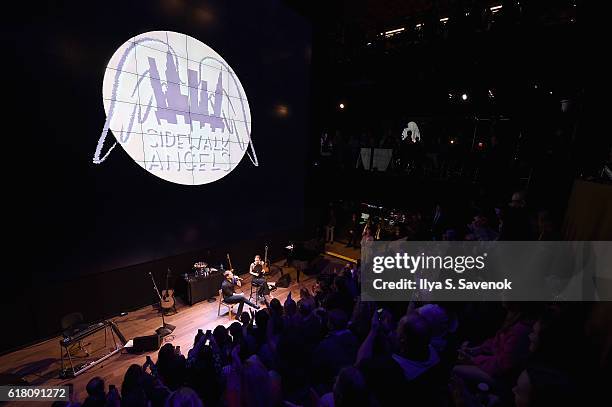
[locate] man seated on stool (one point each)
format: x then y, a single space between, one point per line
257 271
229 297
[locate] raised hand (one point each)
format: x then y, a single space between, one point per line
375 322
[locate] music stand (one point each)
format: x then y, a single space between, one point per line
165 329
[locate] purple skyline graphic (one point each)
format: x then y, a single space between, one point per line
192 107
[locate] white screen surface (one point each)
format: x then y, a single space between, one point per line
177 108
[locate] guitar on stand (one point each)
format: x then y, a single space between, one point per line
167 295
165 329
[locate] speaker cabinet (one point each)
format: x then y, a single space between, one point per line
147 343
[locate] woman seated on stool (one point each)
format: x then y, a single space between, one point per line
257 271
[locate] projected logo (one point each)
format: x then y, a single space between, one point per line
177 108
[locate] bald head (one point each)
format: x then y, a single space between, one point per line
414 336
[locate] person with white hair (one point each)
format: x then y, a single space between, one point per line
412 131
411 137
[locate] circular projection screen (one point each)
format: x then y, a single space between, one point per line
176 107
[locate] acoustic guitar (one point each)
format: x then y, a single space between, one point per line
167 296
266 265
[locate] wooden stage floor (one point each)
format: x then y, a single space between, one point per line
39 364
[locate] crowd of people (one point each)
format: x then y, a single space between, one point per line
332 349
478 220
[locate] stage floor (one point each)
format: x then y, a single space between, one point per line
339 250
39 364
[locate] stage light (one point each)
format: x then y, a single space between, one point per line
551 92
391 33
452 141
444 20
450 96
491 95
480 144
341 106
495 9
464 97
281 110
203 15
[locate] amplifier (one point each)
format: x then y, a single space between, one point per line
284 281
147 343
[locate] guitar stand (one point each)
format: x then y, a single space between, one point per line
166 311
165 329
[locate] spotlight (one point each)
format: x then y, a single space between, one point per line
550 92
480 144
464 97
281 110
450 95
452 141
341 105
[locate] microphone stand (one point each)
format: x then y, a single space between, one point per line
165 329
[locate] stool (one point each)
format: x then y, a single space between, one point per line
255 285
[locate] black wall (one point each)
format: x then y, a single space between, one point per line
81 236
